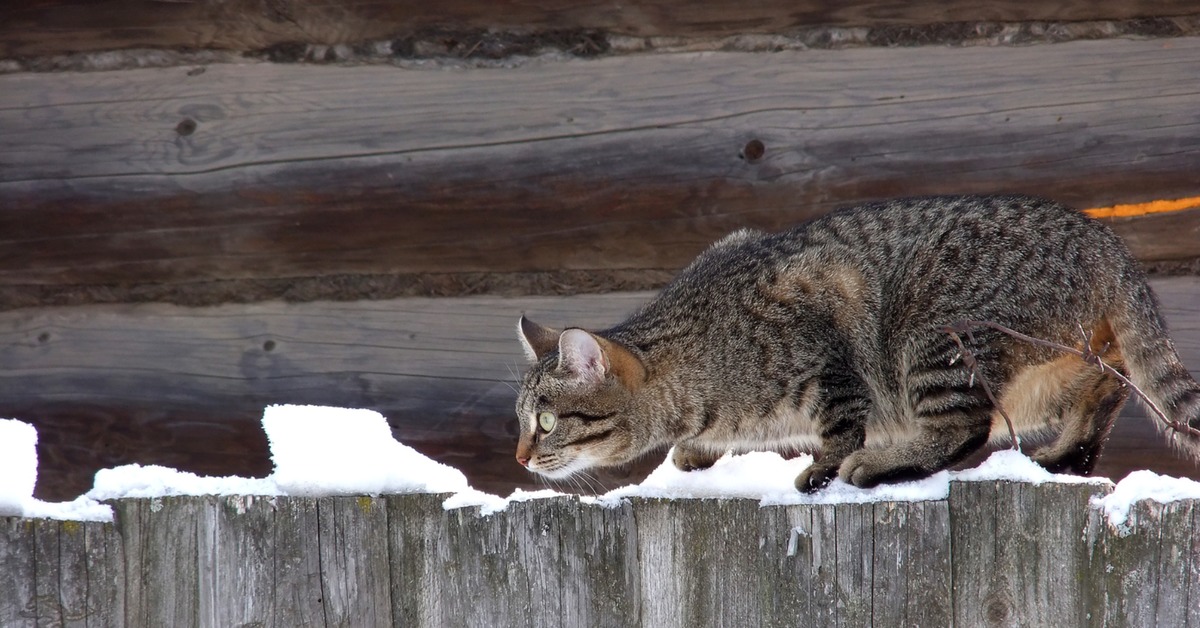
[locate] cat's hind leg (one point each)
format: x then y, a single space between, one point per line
1096 400
951 416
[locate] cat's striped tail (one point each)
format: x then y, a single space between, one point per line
1154 366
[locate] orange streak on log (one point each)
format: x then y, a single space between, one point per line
1141 209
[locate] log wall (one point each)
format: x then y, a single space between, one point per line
993 554
254 181
46 27
243 154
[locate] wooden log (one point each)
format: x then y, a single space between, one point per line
62 26
186 387
333 177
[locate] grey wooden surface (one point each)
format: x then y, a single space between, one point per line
992 554
282 173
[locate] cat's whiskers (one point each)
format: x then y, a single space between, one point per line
594 486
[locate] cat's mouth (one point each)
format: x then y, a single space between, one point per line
558 468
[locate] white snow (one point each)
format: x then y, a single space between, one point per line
769 478
82 508
1014 466
491 504
329 451
316 451
18 465
321 451
1141 486
134 480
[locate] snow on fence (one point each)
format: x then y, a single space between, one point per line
992 553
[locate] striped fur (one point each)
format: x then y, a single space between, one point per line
827 335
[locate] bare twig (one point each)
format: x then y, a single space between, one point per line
1086 354
968 359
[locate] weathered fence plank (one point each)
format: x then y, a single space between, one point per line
1149 578
237 560
355 571
18 584
297 569
1179 565
55 573
699 566
104 561
992 554
1020 555
911 567
162 574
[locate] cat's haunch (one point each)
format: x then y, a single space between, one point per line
831 336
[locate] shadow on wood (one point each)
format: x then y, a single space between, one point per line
62 26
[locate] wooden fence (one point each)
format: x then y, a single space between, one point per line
993 554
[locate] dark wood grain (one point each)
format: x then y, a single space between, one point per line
43 27
186 387
603 166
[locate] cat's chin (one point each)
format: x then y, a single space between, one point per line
567 470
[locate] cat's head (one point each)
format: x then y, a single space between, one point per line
575 403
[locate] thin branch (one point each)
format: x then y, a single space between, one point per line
1086 354
968 359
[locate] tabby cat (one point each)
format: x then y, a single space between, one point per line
831 336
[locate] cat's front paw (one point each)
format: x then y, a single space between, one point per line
816 477
688 459
868 468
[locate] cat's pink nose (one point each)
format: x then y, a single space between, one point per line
523 461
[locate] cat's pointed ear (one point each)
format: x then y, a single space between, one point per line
580 354
536 340
591 358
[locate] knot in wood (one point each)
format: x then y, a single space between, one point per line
753 151
186 127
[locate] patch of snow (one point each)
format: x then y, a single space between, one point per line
320 450
135 480
18 465
1012 465
82 508
769 478
1141 486
491 504
18 476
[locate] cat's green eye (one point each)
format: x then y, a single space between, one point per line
546 421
